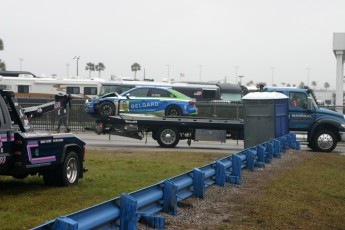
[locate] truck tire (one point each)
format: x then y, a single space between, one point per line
324 141
168 137
107 109
173 111
65 175
70 170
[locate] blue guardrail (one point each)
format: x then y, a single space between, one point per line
126 211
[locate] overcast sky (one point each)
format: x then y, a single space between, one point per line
202 39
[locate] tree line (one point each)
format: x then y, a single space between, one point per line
301 85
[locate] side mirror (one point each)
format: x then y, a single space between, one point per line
310 104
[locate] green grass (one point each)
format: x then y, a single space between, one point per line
310 195
28 203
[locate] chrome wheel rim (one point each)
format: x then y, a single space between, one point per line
325 141
72 170
168 136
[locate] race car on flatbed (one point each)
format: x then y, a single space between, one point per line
160 101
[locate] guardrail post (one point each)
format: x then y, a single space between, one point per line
270 150
198 183
250 159
235 177
128 212
220 173
260 161
63 222
276 146
170 197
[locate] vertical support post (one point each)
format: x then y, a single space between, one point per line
198 183
250 159
170 197
220 173
276 145
339 80
128 212
260 162
235 177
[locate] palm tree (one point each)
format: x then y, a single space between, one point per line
326 85
301 85
313 83
249 83
90 67
135 67
100 67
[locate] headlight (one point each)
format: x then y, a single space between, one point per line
343 125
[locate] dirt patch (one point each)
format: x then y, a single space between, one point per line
223 206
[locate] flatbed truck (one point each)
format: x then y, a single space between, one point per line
57 157
168 131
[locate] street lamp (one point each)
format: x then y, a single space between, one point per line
236 67
240 79
308 69
272 68
77 58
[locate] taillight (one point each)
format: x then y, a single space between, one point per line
192 102
100 125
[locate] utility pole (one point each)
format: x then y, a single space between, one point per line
236 67
77 58
308 69
272 68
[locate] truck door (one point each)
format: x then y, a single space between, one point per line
299 117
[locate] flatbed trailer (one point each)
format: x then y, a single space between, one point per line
168 131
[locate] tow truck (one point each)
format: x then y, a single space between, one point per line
57 157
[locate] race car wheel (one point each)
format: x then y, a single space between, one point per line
324 141
173 111
107 109
167 137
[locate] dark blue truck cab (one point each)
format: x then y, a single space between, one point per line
324 128
57 157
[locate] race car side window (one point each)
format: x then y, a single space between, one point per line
159 93
141 92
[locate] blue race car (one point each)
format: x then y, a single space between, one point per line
159 101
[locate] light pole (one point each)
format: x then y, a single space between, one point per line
67 66
168 72
236 67
308 69
240 79
200 66
272 68
77 58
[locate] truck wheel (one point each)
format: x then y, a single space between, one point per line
107 109
168 137
70 170
173 111
324 141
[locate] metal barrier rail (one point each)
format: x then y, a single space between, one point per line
125 211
